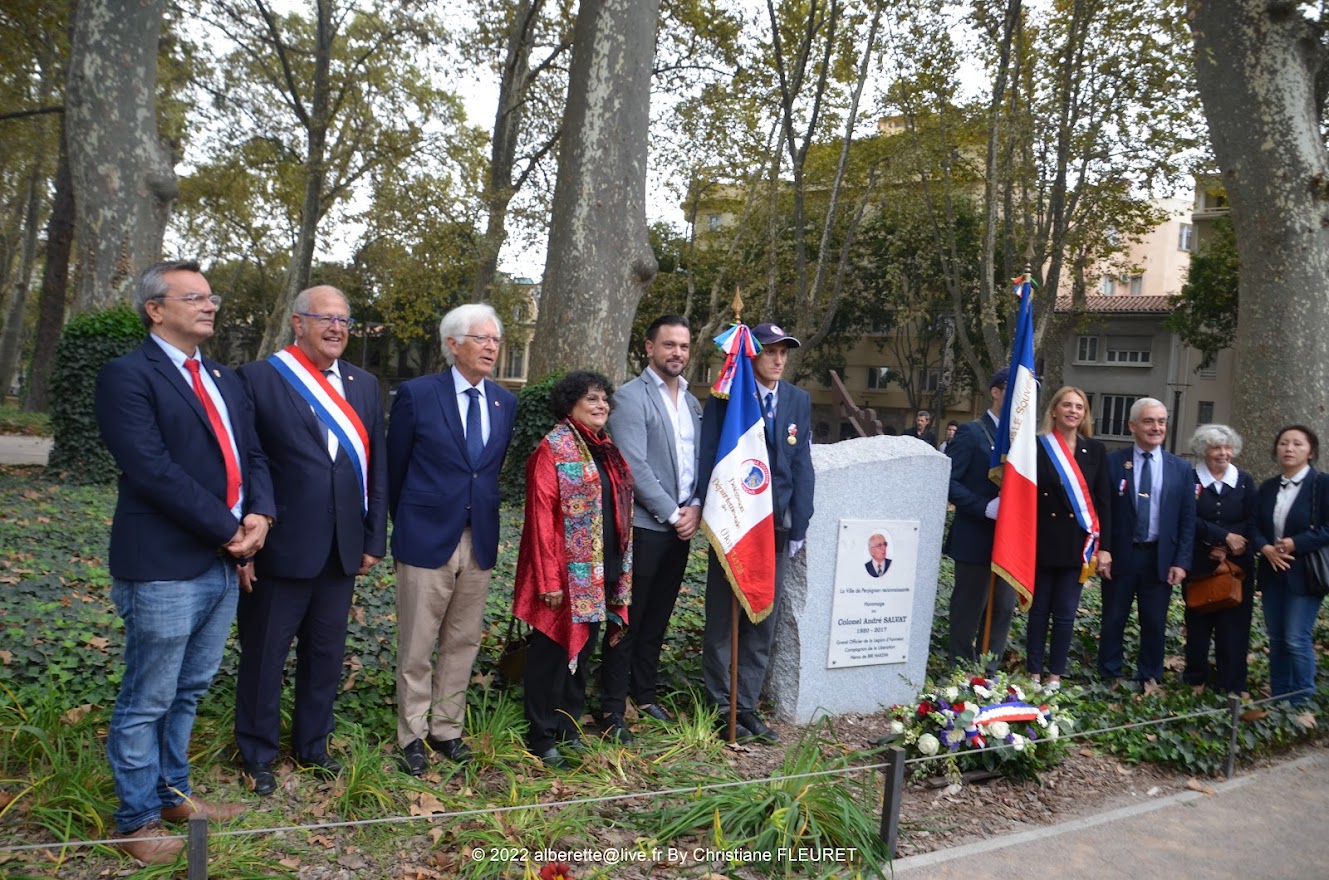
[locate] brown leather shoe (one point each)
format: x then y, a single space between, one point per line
149 845
214 812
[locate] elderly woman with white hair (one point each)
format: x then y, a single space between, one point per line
1225 498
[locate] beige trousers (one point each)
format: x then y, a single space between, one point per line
439 608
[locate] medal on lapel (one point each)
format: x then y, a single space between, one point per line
792 439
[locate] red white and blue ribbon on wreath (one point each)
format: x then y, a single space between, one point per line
1077 494
330 408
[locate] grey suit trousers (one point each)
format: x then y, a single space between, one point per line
754 640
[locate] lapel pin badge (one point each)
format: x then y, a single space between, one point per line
792 439
216 373
1128 465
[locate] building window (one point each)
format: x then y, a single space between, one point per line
1137 285
514 364
518 314
713 222
1113 414
1209 372
1205 413
1109 286
929 380
878 377
1186 237
1086 350
1133 350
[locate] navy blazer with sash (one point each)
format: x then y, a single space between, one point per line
1060 538
318 499
970 537
433 492
1176 520
171 519
1298 527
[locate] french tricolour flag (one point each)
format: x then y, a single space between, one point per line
1016 452
738 517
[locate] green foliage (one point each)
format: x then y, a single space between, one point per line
14 420
1206 316
89 341
535 416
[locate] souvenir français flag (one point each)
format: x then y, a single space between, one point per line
739 517
1016 454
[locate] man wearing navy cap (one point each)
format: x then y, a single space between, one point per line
787 410
969 542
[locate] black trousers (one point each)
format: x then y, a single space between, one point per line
313 613
554 696
1056 596
659 560
1229 631
969 602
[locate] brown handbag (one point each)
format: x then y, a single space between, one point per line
1216 591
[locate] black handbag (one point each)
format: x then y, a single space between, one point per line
1317 561
516 645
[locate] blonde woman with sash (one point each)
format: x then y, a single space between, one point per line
1073 521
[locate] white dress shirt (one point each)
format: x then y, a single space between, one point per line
460 384
1156 490
685 437
1287 493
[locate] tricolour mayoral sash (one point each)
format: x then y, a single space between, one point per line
1077 493
330 408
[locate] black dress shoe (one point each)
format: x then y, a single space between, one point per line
576 745
553 759
323 765
413 758
760 732
260 778
656 711
615 728
741 733
453 749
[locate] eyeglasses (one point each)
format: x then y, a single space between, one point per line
484 340
194 299
327 320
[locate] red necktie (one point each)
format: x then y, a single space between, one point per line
223 436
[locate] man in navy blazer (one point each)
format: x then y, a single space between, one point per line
1153 531
447 438
194 498
788 412
329 476
969 542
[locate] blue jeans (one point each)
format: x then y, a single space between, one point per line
1290 617
174 635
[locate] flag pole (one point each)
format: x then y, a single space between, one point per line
737 305
987 625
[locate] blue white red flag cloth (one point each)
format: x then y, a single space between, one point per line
738 516
1014 546
330 408
1077 495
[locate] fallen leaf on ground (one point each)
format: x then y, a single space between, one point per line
290 863
1254 714
1196 785
1305 719
76 714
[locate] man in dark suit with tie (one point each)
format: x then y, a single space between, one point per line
787 412
969 541
1153 530
447 438
655 423
321 424
194 498
878 565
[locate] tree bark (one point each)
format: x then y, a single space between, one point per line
123 172
12 333
55 285
1260 67
600 260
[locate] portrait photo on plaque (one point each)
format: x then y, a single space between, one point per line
875 567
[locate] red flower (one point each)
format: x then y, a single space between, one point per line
958 707
979 681
556 871
925 708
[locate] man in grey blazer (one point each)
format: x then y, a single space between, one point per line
655 422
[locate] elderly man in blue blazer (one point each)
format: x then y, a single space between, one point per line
656 423
447 438
321 424
1153 531
194 499
787 410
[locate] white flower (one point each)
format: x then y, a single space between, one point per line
1043 719
896 726
1018 742
952 693
1015 690
982 691
928 745
999 729
1053 732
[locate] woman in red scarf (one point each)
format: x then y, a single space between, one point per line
574 568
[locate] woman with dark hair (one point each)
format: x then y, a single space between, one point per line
1073 496
574 567
1224 505
1286 529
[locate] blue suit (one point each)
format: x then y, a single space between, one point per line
305 573
793 484
1140 571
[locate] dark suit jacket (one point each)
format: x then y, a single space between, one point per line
1176 520
872 568
171 518
318 500
1298 527
432 489
1060 538
1216 516
970 537
792 478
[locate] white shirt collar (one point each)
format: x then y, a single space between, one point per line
1298 477
660 382
1207 478
460 384
177 356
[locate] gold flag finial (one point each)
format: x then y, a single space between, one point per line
737 305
